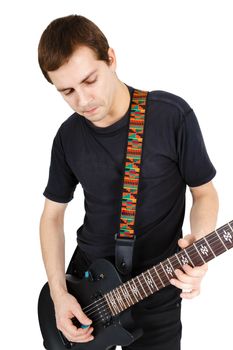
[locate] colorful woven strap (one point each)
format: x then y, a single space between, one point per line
132 164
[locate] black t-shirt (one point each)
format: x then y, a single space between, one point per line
174 155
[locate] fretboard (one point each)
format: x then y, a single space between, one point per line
159 276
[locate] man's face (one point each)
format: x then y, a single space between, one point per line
87 84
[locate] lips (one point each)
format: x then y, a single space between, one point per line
91 110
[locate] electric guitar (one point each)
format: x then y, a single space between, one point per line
106 300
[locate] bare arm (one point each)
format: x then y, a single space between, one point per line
53 246
53 252
203 217
204 211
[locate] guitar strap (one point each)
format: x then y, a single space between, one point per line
125 238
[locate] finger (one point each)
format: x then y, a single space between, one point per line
181 285
187 240
84 331
190 295
71 330
80 336
68 328
198 271
182 243
83 338
81 316
183 277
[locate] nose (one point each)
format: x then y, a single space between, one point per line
83 98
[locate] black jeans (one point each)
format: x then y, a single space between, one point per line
161 325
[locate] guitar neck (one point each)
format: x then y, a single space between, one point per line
159 276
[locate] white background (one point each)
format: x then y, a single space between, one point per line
184 47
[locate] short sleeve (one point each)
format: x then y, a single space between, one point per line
195 165
61 182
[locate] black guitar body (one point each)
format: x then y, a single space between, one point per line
112 321
108 330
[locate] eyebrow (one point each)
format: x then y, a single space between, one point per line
88 76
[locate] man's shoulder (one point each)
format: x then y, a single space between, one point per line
71 121
69 129
70 125
169 100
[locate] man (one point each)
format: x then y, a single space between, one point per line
89 148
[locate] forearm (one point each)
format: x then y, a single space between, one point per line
53 252
203 214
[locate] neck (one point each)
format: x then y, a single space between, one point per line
159 276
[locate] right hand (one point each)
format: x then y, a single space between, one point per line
67 307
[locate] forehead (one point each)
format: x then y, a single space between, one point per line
82 54
82 62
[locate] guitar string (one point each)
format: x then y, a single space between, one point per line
106 313
189 254
136 282
219 249
116 304
98 320
158 267
144 283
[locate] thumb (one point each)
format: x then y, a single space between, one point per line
184 242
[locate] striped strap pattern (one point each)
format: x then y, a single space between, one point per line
132 164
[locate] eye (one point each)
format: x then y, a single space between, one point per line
91 81
69 92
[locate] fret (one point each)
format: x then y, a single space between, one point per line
169 269
109 303
152 279
163 285
214 256
142 288
121 297
165 272
135 289
173 273
215 243
149 282
177 258
185 258
133 293
117 299
197 261
113 303
231 225
221 240
126 294
226 234
203 250
146 284
175 262
227 237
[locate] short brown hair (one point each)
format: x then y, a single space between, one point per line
63 36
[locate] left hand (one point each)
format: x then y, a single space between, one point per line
189 280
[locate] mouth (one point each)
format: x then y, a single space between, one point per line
91 111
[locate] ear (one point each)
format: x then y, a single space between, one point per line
112 58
